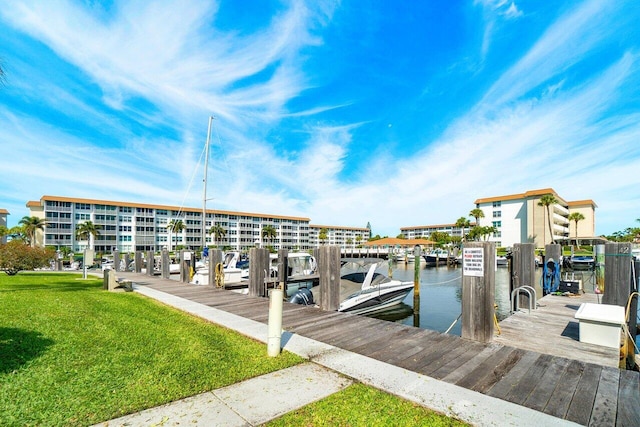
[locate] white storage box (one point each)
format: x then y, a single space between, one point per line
600 324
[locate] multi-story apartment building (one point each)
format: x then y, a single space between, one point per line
135 226
519 218
424 231
345 237
3 222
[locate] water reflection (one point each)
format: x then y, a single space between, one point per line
441 297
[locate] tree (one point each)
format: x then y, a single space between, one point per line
358 240
86 231
463 223
176 226
440 237
31 225
349 241
218 232
576 217
547 201
324 235
4 231
269 233
16 256
477 213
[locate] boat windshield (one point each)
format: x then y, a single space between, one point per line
379 279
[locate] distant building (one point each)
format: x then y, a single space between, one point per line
425 231
345 237
129 227
3 222
518 218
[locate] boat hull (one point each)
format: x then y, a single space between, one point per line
373 299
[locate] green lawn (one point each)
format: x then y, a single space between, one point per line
73 354
359 405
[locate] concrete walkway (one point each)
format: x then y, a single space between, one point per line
330 369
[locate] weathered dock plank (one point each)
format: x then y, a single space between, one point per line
552 329
606 401
542 392
563 393
628 400
582 404
471 349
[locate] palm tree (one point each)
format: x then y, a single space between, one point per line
176 226
218 232
349 241
547 201
576 217
269 232
358 240
462 223
86 230
31 225
477 213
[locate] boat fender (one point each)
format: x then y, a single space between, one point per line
303 297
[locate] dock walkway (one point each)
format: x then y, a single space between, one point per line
580 391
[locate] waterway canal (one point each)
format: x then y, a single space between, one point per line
441 296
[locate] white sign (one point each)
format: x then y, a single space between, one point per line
473 262
187 256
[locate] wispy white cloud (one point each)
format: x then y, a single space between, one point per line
495 11
164 68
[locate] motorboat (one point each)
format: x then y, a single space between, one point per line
233 275
302 272
399 257
436 256
501 261
581 262
366 292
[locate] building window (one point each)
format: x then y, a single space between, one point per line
497 214
497 204
497 224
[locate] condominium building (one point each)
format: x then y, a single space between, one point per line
425 231
520 218
3 223
131 227
345 237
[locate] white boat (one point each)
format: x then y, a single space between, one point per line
233 275
582 262
501 261
436 256
367 292
399 257
302 271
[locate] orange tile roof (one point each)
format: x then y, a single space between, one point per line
153 206
582 203
530 193
336 227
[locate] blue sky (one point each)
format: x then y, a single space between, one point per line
393 113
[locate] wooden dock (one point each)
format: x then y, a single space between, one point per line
552 329
562 385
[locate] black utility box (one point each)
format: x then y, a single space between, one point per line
572 286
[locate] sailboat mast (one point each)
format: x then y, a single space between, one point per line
204 186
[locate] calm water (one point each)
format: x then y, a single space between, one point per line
441 295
